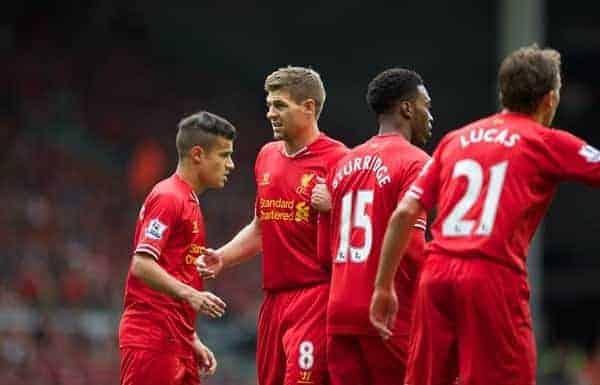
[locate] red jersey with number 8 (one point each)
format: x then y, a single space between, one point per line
493 181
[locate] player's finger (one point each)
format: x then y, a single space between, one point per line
215 300
205 272
381 328
212 365
212 311
204 359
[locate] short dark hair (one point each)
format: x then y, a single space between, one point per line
391 86
526 75
201 129
302 83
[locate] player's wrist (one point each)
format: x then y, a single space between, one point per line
184 292
383 286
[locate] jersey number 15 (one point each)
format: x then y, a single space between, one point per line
360 220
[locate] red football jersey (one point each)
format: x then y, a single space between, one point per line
170 228
365 187
493 181
288 223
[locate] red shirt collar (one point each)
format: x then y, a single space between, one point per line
186 186
304 150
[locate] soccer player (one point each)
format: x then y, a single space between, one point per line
365 187
492 181
163 290
291 325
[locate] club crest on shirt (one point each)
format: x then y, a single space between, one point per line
155 229
304 183
302 212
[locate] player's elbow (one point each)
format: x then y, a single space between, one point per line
406 212
139 265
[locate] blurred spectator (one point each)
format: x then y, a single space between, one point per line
147 166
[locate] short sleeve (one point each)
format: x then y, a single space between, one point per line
324 252
410 176
426 186
158 218
571 158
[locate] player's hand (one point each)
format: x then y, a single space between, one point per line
206 359
209 264
320 198
384 307
206 303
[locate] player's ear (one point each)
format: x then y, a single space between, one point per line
310 106
406 109
197 153
546 103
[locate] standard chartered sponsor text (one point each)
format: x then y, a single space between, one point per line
276 203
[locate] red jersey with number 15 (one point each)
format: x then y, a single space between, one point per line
493 181
170 228
365 188
288 223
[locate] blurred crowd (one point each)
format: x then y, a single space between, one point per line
83 143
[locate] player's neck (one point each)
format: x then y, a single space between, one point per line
538 116
388 128
293 145
190 178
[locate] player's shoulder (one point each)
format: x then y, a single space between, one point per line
167 192
268 151
330 142
417 153
327 144
271 147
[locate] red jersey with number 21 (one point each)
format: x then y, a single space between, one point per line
493 181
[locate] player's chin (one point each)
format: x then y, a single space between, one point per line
219 184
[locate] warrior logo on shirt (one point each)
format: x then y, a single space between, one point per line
155 229
305 377
266 179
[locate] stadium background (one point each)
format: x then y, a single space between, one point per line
90 94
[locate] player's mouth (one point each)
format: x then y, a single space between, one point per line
276 125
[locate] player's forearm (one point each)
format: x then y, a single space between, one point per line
395 242
245 245
145 268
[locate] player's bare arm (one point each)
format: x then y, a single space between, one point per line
384 303
144 267
245 245
206 358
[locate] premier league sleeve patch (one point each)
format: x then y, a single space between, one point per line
591 154
155 229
